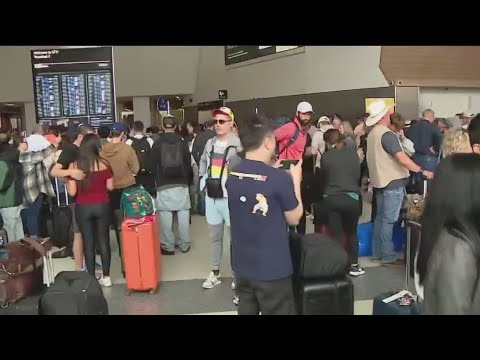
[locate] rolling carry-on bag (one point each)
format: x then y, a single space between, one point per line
332 296
141 255
62 222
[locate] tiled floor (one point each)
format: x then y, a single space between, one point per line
182 275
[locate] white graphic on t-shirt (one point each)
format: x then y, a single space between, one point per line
243 198
262 205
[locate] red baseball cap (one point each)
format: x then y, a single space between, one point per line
225 111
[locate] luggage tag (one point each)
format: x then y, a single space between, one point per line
255 177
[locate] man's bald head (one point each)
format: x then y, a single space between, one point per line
428 114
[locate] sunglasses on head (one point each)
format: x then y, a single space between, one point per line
221 122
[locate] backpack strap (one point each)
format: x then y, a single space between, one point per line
292 139
224 163
210 157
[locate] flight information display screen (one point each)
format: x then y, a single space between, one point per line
74 86
48 96
235 54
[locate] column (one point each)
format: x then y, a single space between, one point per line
30 116
141 110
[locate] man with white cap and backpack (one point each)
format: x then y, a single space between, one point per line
292 135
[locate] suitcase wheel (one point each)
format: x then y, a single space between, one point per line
152 291
128 292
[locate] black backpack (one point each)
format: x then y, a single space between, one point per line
144 153
73 293
171 159
277 124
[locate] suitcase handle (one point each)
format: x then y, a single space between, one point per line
58 193
408 245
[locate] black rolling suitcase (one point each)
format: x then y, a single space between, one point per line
325 296
62 222
320 282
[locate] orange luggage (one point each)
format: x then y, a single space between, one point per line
141 256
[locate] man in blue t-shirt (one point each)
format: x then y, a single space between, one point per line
263 202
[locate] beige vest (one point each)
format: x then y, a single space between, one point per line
382 167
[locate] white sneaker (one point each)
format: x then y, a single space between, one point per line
212 280
105 281
356 270
233 284
236 300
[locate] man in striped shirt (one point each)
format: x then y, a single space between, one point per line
219 156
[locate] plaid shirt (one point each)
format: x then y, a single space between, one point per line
36 179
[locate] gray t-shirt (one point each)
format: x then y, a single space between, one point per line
391 145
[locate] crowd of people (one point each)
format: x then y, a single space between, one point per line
258 182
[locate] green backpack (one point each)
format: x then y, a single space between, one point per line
137 202
7 191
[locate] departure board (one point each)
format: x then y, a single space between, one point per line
99 93
74 95
48 96
74 85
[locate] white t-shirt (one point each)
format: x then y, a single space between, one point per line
139 136
37 142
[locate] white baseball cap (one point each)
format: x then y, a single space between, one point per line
304 107
323 119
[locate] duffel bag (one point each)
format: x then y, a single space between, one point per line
316 256
73 293
21 269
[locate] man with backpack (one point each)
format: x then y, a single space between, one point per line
291 135
171 165
142 145
11 188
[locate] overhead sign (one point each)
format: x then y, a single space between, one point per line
235 54
162 104
223 94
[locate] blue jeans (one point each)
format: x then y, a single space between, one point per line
389 204
426 162
32 213
167 234
201 202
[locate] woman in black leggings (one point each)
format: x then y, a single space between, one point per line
92 204
341 199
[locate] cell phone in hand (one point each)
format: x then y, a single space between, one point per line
287 163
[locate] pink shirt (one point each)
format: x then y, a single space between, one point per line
284 134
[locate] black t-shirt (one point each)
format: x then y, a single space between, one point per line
69 155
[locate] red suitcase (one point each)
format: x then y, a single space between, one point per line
141 256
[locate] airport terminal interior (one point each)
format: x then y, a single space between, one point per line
425 101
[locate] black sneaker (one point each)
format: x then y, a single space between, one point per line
166 252
356 270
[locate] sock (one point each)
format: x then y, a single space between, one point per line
216 272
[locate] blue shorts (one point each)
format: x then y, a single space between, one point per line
216 211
